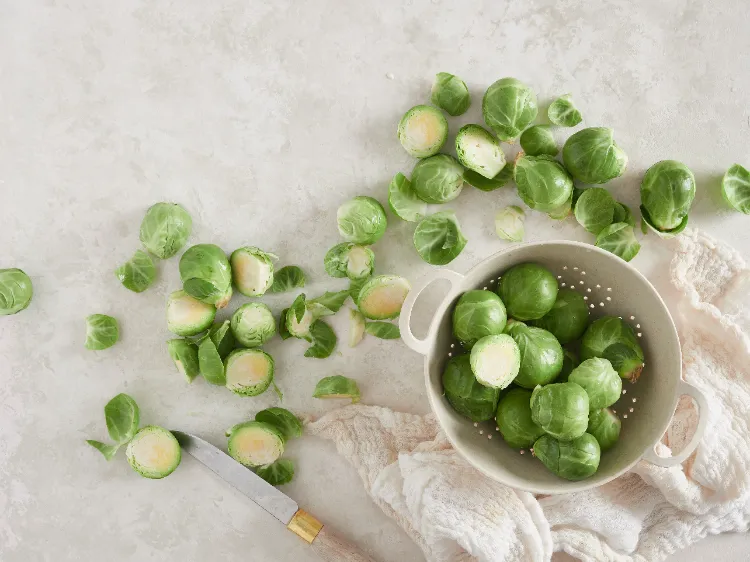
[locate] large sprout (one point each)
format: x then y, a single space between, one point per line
612 338
568 317
165 229
252 270
450 94
600 381
206 274
541 354
438 238
138 273
422 131
253 324
437 179
361 220
479 151
509 223
619 239
403 200
349 260
572 460
592 156
735 187
508 107
514 419
154 452
563 112
538 140
469 398
528 291
478 314
561 409
187 316
15 291
542 182
595 209
667 192
495 361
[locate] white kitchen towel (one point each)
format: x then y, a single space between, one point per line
456 514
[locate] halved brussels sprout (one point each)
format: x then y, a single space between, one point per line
592 156
570 362
623 214
154 452
509 223
349 260
165 229
184 353
541 354
450 94
437 179
619 239
337 386
508 107
478 314
538 140
667 192
528 291
361 220
543 184
101 331
255 444
299 319
438 238
568 318
600 381
422 131
495 360
403 200
613 339
253 324
138 273
572 460
356 327
328 303
595 209
483 184
382 297
252 270
604 426
206 274
478 150
209 362
561 409
563 112
735 187
469 398
514 419
15 291
249 372
187 316
223 337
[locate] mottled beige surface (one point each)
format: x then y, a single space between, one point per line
261 118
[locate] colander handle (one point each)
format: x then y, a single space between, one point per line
684 388
404 322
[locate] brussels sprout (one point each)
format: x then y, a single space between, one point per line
595 209
563 211
381 297
542 182
287 278
478 314
537 140
561 409
509 223
528 291
403 200
469 398
514 419
356 327
154 452
184 353
563 112
605 426
572 460
478 150
592 156
483 184
438 238
362 220
299 319
123 417
210 363
255 444
337 386
253 324
437 179
570 362
165 229
383 330
450 94
223 337
541 354
613 339
252 270
349 260
277 473
667 192
187 316
735 187
623 214
323 340
422 131
15 291
101 331
495 360
600 381
619 239
283 420
249 372
138 273
568 318
508 107
206 274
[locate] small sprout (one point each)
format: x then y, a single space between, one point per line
15 291
478 314
154 452
206 274
514 419
381 297
561 409
252 270
165 229
437 179
450 94
538 140
323 340
253 324
568 318
187 316
563 112
508 107
255 444
123 417
101 331
623 214
495 361
541 355
612 338
592 156
479 151
223 337
605 426
277 473
735 187
356 327
287 278
422 131
483 184
209 362
571 459
509 223
283 420
361 220
667 193
138 273
184 353
543 183
595 209
438 238
349 260
600 381
249 372
619 239
383 330
337 386
528 290
403 200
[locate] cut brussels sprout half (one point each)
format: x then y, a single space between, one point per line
538 140
277 473
467 397
383 330
543 184
592 156
568 318
323 340
541 354
483 184
165 229
287 278
600 381
382 297
299 319
154 452
495 360
528 291
184 353
514 421
283 420
561 409
570 362
356 327
422 131
187 316
477 314
349 260
595 209
572 460
252 270
138 273
210 363
508 107
438 238
479 151
735 187
623 214
206 274
361 220
613 339
619 239
450 94
563 112
102 332
223 337
249 372
667 193
253 324
437 179
604 426
337 386
403 200
509 223
255 444
15 291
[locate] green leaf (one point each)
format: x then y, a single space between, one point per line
563 112
123 417
623 214
337 386
403 200
223 337
735 188
383 330
107 450
323 339
210 363
138 273
355 287
278 473
287 278
327 304
438 238
283 330
502 178
282 419
101 332
298 307
278 392
619 239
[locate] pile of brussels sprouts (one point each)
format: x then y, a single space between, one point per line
535 363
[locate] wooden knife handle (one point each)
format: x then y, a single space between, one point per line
324 543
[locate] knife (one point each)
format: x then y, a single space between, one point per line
325 544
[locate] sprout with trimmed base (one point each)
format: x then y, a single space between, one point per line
528 290
483 184
437 179
255 444
349 260
592 156
595 209
541 354
252 270
422 131
605 426
323 340
138 273
543 184
356 327
508 107
438 238
249 372
561 409
514 419
382 297
495 360
206 274
184 353
600 381
509 223
538 140
568 318
154 452
667 193
479 151
337 386
450 94
572 460
403 200
619 239
478 314
563 112
613 339
165 229
253 324
361 220
735 188
187 316
15 291
464 393
102 332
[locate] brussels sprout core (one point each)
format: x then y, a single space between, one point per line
255 444
422 131
382 297
153 452
495 360
249 372
187 316
252 271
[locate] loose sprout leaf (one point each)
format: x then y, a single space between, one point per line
15 291
509 223
422 131
123 417
165 229
623 214
277 391
543 184
595 209
403 200
478 150
138 273
537 140
355 287
210 363
282 419
101 331
450 94
383 330
107 450
356 327
337 386
287 278
667 193
184 353
328 303
223 337
298 307
508 107
735 187
361 220
592 156
323 340
483 184
619 238
563 112
278 473
437 179
283 330
438 238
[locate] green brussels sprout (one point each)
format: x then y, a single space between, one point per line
165 229
619 239
595 209
337 386
538 140
437 179
568 318
123 417
478 314
223 337
206 274
605 426
287 278
209 362
283 420
138 273
508 107
255 444
252 270
735 187
543 184
382 297
101 331
613 339
15 291
495 361
479 151
600 381
541 354
450 94
570 362
253 324
361 220
422 131
528 291
561 409
483 184
356 327
667 192
403 200
469 398
623 214
438 238
592 156
572 460
514 419
563 112
249 372
184 353
187 316
277 473
349 260
383 330
154 452
509 223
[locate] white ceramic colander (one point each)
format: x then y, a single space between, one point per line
611 287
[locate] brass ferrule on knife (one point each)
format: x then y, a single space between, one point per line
305 526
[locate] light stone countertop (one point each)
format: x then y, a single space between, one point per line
261 118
